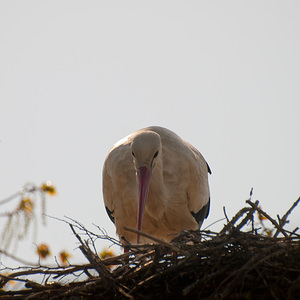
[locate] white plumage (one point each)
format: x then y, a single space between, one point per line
156 182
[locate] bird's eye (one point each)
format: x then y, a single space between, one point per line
132 154
156 153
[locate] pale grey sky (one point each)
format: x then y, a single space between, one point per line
77 76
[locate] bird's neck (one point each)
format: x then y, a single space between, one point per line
157 197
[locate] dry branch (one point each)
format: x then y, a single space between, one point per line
155 239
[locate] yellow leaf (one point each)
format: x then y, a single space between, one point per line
48 188
106 253
260 216
43 251
269 232
64 256
26 205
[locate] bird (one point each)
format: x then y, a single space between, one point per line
156 182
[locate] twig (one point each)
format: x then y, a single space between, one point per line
3 201
213 223
234 219
89 233
279 228
99 266
283 220
93 258
224 211
157 240
248 216
20 260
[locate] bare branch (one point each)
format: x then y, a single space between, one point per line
155 239
279 228
283 220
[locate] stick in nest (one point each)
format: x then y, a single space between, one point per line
283 220
279 228
157 240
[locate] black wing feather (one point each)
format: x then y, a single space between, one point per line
110 214
202 213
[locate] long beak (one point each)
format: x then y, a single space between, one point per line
143 182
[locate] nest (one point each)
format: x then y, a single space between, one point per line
230 264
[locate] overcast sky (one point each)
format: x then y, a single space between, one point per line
77 76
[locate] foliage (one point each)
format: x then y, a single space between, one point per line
25 213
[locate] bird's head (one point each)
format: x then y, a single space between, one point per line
146 150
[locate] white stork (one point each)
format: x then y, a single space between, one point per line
156 182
